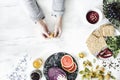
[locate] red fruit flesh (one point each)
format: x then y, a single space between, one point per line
73 69
70 67
67 61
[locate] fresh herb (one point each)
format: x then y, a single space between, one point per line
111 10
113 43
87 70
113 77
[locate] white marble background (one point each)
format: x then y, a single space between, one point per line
19 35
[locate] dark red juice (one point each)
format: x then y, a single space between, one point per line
92 17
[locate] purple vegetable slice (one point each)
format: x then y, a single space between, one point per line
54 72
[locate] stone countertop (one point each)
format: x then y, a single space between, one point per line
20 36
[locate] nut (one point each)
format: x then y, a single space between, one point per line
81 55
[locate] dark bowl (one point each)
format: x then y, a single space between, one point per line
54 61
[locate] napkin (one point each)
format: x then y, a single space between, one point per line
20 70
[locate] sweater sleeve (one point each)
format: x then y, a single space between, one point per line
58 7
34 10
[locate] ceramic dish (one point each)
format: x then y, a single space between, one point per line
54 61
99 15
103 42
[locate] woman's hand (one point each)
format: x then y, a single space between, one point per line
45 31
58 27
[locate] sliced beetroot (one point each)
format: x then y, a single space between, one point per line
106 53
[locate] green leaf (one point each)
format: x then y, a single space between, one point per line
81 72
87 70
115 22
113 44
113 77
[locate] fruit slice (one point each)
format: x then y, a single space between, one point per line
70 67
67 61
37 63
73 69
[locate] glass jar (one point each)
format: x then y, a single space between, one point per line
36 75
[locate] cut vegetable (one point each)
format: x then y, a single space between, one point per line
54 72
106 53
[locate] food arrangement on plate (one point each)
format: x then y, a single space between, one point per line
96 41
60 64
103 43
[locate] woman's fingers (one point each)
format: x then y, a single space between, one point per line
46 34
56 33
60 32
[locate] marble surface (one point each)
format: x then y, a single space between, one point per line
20 36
